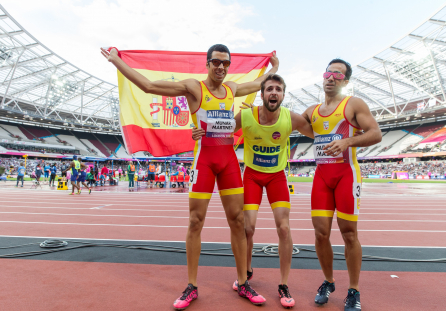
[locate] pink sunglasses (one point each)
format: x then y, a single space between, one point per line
336 75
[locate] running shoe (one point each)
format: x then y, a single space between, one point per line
72 193
352 301
189 295
324 292
89 190
285 297
246 291
79 192
249 277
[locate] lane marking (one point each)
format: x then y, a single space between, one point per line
161 226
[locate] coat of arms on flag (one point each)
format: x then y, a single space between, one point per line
174 109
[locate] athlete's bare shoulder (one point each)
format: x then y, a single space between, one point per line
308 112
232 85
356 104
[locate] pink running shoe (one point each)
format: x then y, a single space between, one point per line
247 291
248 276
189 295
285 297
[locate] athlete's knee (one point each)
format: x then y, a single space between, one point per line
237 221
283 230
196 223
350 237
250 230
322 236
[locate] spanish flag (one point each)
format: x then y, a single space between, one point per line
162 125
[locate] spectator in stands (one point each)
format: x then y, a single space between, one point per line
46 168
104 170
96 170
53 171
20 174
38 172
63 168
102 179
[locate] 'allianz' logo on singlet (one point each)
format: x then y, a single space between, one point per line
220 114
326 139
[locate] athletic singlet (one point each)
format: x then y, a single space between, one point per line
152 168
266 145
76 168
216 116
330 128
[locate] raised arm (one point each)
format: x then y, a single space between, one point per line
162 88
301 124
247 88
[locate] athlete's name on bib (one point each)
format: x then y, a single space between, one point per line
263 149
328 138
220 114
265 160
222 125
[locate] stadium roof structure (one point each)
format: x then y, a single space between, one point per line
405 82
39 86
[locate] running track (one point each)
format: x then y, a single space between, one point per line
400 219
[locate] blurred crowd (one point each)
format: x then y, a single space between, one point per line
436 168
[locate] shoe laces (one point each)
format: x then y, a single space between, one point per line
284 292
248 288
189 289
323 288
350 300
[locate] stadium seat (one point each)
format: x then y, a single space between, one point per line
173 180
162 180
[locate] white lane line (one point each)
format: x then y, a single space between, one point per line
160 226
209 211
209 217
99 207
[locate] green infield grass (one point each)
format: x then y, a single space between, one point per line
371 180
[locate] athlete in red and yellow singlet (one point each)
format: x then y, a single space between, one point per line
214 155
337 181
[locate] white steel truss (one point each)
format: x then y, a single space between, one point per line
37 83
396 80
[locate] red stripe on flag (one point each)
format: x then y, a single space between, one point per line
159 142
190 62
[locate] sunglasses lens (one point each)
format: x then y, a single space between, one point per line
327 75
226 63
216 62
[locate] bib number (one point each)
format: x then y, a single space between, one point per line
320 142
193 176
357 189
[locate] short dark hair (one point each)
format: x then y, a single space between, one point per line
349 71
218 48
274 77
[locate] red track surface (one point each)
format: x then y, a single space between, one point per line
391 215
55 285
385 220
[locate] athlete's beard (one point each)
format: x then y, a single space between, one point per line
267 106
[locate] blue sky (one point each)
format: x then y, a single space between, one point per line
305 34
